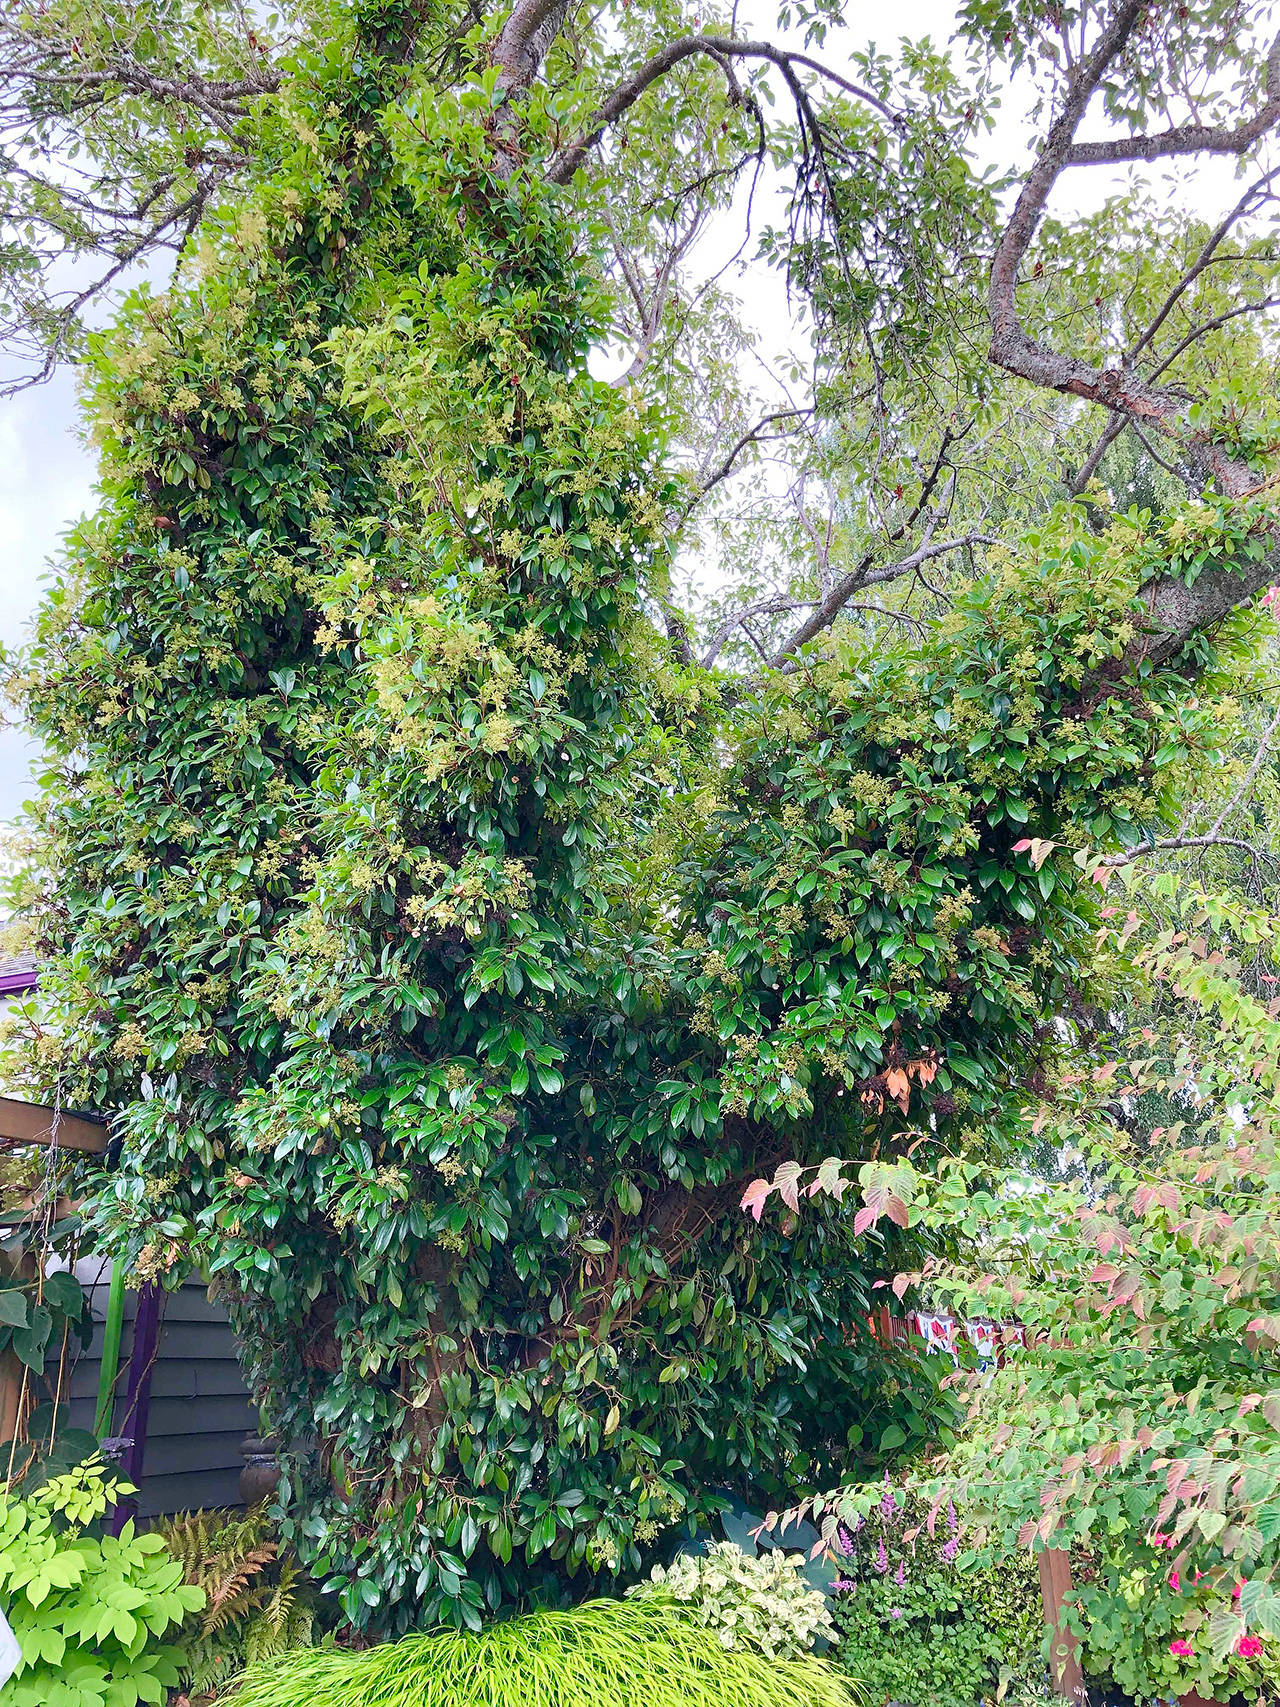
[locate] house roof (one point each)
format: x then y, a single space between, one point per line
18 974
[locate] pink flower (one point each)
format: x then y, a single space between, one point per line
1249 1647
1182 1650
844 1585
882 1559
1238 1590
895 1612
1175 1582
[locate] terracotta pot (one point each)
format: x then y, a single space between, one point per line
261 1474
1194 1700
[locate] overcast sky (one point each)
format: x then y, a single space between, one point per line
47 475
46 482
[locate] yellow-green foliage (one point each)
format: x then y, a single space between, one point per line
91 1612
606 1653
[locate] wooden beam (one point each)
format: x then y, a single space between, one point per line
1064 1649
33 1123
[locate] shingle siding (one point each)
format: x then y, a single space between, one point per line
200 1410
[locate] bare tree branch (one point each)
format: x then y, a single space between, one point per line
1187 139
1089 467
721 49
756 434
829 608
1250 777
762 607
1207 253
1180 844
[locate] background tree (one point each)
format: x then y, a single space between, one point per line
455 912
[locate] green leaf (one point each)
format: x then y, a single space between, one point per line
13 1307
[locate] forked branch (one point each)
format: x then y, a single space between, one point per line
723 50
1119 388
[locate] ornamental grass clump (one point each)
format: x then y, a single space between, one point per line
606 1653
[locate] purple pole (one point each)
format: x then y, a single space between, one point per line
137 1396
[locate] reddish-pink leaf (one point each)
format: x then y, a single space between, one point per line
756 1196
787 1181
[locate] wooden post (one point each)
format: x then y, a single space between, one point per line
137 1397
14 1374
10 1394
1064 1652
24 1124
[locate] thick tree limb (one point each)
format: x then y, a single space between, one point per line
1119 389
1189 138
1175 612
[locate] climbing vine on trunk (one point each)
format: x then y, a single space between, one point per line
450 948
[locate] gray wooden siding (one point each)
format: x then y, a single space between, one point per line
200 1411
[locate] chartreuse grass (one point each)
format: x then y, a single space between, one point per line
608 1653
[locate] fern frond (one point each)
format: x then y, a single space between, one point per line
234 1582
247 1602
256 1607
